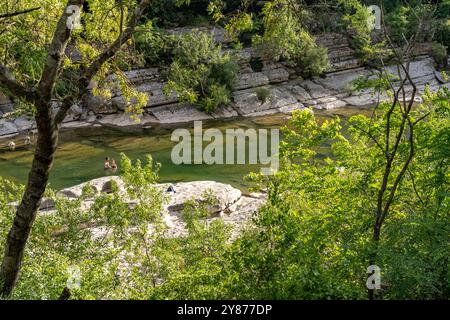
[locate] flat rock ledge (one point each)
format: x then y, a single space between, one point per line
231 205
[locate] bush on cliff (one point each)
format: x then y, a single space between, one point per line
404 22
286 38
201 73
443 33
440 55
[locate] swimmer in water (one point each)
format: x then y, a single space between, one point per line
113 164
106 164
27 140
11 145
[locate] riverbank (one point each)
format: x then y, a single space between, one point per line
284 91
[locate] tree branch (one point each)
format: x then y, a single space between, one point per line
95 66
56 52
13 14
92 70
414 187
8 80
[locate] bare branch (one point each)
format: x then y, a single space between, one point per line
13 14
402 172
414 187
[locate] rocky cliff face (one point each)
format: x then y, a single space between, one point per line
285 91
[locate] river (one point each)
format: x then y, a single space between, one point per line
81 152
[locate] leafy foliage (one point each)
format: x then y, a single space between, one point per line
263 94
311 239
404 22
24 40
359 22
285 38
320 212
443 33
440 54
200 73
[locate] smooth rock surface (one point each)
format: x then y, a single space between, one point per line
230 205
99 185
7 128
224 194
23 123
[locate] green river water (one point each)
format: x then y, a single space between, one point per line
81 152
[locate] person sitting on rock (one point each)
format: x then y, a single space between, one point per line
106 164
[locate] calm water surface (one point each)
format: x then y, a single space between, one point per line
81 153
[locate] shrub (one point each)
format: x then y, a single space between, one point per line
443 10
398 22
355 19
256 64
285 38
440 54
200 73
404 22
153 45
216 96
443 33
263 94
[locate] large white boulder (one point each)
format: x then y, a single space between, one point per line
103 184
224 194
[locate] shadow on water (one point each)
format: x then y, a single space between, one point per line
81 152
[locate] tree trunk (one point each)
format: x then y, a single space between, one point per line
373 255
26 213
47 126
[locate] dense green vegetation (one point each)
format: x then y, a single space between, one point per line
381 198
280 30
312 240
200 72
320 212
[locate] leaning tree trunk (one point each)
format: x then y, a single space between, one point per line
47 126
26 213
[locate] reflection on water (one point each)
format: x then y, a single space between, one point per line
81 153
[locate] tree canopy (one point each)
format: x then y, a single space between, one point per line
380 197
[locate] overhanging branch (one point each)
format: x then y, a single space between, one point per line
98 62
13 14
8 80
95 66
